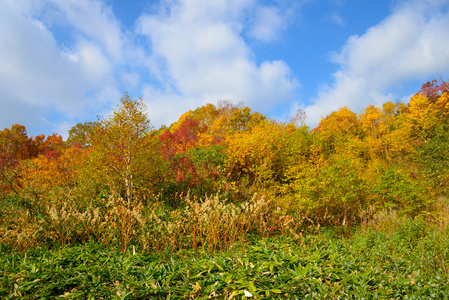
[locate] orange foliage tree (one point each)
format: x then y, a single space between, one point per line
15 149
50 177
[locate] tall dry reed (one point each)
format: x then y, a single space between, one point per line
209 223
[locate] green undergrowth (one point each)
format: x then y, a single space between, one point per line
409 263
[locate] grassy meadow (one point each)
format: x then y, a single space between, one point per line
214 251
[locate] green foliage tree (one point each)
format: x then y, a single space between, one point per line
433 158
332 192
81 133
398 188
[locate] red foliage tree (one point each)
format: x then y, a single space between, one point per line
433 89
176 145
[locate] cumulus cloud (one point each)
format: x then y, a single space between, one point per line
43 81
202 57
412 43
66 61
91 19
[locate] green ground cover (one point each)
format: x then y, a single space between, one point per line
409 263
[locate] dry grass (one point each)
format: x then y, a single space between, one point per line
208 224
439 214
384 220
389 220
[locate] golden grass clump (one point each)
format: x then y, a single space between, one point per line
439 214
384 220
210 223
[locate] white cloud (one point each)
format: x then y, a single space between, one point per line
65 61
90 18
199 47
268 21
412 43
40 77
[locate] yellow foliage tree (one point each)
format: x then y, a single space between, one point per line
124 156
263 153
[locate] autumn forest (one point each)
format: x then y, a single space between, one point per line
223 175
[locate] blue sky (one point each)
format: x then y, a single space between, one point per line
67 61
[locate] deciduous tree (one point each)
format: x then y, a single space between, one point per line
124 155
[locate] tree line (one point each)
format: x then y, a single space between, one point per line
392 156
